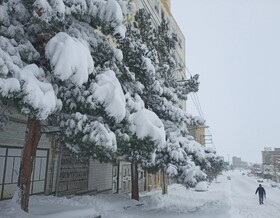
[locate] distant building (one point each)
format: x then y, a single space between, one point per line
256 169
268 154
238 163
271 163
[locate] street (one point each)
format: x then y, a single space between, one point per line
233 198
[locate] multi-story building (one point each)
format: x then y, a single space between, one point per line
267 155
238 163
198 133
271 163
161 10
54 170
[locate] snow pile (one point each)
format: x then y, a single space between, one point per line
58 8
9 86
171 170
42 10
108 92
40 95
179 202
233 199
10 60
118 54
109 12
92 131
4 19
192 175
201 186
146 123
28 82
70 58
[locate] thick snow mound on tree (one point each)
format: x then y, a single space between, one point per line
111 12
108 91
8 86
145 123
39 94
70 58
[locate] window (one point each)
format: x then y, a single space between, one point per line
162 15
180 42
157 6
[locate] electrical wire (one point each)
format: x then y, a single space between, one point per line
199 105
195 104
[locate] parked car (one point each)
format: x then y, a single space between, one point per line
273 185
260 180
202 186
228 178
217 180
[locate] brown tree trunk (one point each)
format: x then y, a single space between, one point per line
164 183
134 182
32 138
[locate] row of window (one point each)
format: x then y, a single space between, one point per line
157 9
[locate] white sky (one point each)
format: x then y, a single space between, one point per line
234 45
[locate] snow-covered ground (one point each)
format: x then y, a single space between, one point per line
233 198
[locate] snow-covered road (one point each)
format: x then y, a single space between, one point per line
243 201
233 198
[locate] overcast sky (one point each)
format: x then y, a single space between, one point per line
234 45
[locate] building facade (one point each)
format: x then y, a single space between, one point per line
161 10
237 163
267 155
55 170
271 163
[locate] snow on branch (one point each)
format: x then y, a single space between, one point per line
193 175
28 82
9 86
145 123
92 131
70 58
39 95
108 92
171 170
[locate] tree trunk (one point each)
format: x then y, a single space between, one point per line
164 183
134 182
32 138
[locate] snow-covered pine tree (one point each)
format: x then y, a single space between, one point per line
175 158
141 132
138 136
213 164
47 54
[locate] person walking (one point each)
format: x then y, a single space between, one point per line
261 192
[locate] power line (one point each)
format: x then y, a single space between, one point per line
195 104
199 105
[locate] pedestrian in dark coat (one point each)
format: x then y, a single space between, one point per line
261 192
